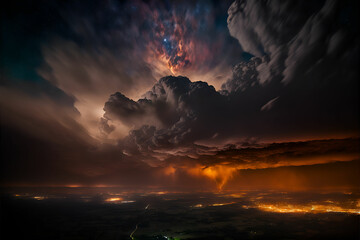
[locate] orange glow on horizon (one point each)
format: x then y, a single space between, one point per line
73 186
318 208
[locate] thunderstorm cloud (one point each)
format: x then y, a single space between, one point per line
146 92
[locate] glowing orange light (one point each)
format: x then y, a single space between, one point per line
236 195
198 205
169 170
212 205
39 197
73 186
221 204
219 173
113 199
305 209
161 193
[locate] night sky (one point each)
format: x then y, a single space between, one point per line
188 95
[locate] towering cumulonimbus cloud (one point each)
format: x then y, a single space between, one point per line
100 111
174 112
277 91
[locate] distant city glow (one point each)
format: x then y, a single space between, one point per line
263 201
305 209
39 197
221 204
114 199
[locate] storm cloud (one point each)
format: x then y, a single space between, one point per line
174 112
141 93
177 112
296 37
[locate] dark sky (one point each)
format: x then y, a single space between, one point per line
179 93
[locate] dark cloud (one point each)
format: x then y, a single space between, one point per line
105 127
297 37
174 112
43 144
177 112
244 75
126 46
297 80
47 147
289 153
126 110
305 57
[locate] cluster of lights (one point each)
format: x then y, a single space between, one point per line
118 200
212 205
28 196
305 209
330 207
114 199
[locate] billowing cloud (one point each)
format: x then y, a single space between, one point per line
101 107
177 112
90 76
141 43
42 117
298 38
150 155
174 112
288 153
303 57
244 75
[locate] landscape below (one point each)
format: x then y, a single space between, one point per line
114 213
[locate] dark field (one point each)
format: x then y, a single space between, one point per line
111 214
